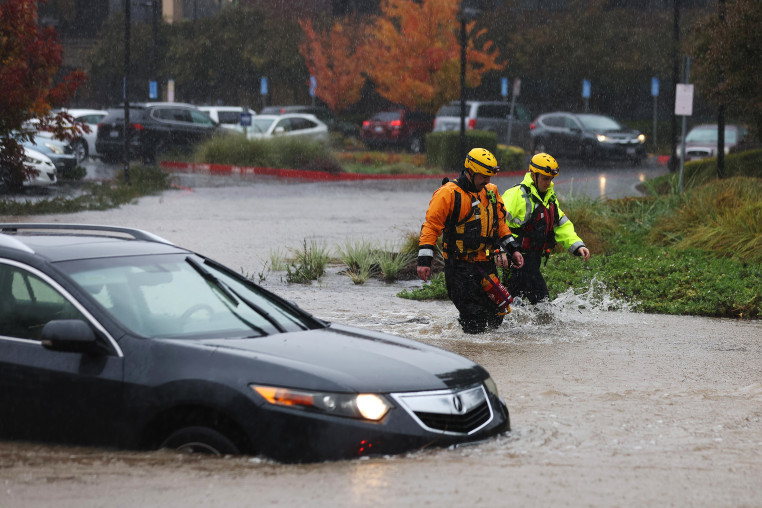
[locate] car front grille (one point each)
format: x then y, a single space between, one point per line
449 411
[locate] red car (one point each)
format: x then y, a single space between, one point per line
398 128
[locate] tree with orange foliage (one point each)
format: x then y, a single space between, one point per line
31 57
331 57
413 53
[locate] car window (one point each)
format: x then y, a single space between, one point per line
554 121
167 296
493 111
28 303
597 122
285 124
571 123
261 124
387 116
175 115
521 114
450 110
228 117
201 118
302 124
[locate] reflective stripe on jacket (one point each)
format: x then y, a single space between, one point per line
469 234
520 204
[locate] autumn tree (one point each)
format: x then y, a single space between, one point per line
31 58
332 58
412 55
727 56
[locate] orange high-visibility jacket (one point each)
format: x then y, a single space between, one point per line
471 232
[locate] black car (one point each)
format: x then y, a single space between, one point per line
155 128
397 128
586 136
115 337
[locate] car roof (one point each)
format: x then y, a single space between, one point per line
82 112
65 242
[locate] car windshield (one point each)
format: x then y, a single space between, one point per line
599 123
449 110
387 116
709 135
183 296
261 124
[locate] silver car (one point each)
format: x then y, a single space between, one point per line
297 125
492 116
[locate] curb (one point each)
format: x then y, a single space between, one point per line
229 169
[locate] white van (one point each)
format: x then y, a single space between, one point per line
229 117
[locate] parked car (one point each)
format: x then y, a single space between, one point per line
228 117
323 114
298 125
701 141
43 172
586 136
60 152
399 128
112 336
155 128
83 146
492 116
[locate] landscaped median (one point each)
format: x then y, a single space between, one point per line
230 169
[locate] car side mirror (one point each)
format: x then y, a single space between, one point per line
70 335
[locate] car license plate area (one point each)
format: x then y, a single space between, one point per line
631 151
114 133
378 128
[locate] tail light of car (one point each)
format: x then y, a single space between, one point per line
396 124
471 124
532 126
435 124
137 126
366 124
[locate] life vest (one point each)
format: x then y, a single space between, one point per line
536 233
473 236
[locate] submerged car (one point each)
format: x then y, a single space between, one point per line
115 337
586 136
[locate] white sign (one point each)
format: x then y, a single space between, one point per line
171 90
516 87
684 100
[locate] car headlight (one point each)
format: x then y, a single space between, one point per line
491 387
55 148
601 138
366 406
642 138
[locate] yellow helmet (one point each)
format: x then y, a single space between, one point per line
544 164
480 160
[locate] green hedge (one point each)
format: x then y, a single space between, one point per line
443 148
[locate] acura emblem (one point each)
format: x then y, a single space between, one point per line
457 404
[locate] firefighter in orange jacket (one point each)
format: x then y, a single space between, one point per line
470 214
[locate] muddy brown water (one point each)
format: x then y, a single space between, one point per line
609 407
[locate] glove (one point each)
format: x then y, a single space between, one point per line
508 244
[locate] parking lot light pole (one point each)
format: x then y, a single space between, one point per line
126 153
466 12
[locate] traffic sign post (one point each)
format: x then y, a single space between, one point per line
263 90
684 108
586 93
244 119
655 95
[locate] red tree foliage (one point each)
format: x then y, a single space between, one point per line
30 58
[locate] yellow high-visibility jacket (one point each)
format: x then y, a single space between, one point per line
538 223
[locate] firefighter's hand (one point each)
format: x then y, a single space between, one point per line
424 272
502 260
518 259
582 251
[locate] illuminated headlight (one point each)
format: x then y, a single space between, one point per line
642 138
366 406
491 387
55 148
601 138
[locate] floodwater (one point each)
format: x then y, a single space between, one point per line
608 407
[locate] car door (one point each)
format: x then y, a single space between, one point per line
572 135
554 139
45 394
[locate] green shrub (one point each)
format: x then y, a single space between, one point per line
443 148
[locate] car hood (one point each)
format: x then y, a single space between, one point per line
619 133
341 358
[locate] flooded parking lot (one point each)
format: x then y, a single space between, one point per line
608 407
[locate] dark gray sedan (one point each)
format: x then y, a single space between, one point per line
115 337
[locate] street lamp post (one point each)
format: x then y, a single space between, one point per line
126 125
466 12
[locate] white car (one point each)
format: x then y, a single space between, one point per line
84 145
299 125
45 169
229 117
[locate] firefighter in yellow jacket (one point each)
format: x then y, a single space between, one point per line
470 215
538 224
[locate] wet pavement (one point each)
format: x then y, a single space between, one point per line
608 407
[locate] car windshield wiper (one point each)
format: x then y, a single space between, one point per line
234 295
